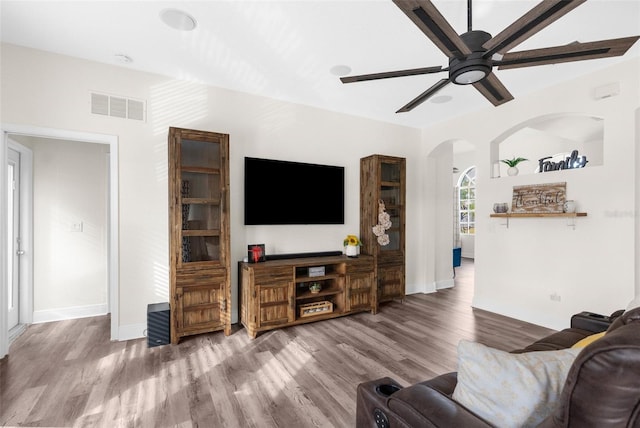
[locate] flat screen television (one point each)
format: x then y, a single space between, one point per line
282 192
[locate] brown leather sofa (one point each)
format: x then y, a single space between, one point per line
602 388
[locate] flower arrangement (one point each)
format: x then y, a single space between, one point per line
352 240
384 223
513 162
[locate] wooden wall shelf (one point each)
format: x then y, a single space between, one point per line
520 215
569 216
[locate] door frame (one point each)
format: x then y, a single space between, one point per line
26 232
112 222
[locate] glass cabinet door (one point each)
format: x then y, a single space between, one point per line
391 194
200 199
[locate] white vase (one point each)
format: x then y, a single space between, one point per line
513 170
569 206
351 251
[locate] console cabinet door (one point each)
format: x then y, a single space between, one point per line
200 301
275 304
360 286
360 291
273 294
390 282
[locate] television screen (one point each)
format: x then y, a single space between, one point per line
281 192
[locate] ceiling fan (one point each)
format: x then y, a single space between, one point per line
473 55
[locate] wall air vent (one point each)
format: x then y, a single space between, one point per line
135 110
116 106
100 104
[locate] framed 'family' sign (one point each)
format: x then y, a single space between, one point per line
539 198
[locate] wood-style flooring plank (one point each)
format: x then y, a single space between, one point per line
69 374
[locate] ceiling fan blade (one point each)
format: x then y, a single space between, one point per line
493 90
431 22
424 96
567 53
529 24
389 74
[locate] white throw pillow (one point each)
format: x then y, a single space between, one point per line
511 390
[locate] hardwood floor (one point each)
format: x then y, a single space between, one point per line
69 373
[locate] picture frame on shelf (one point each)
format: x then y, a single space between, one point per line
256 253
539 198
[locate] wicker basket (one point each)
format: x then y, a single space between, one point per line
315 308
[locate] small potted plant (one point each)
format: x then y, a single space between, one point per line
315 287
351 244
512 163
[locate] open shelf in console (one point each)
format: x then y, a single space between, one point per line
329 300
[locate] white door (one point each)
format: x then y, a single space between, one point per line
13 237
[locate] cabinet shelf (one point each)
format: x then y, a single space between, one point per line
321 293
201 201
200 170
300 279
190 232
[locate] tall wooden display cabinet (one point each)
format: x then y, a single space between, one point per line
200 270
382 179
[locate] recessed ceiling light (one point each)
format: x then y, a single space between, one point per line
441 99
178 19
125 59
340 70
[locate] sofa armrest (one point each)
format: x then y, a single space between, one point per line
419 405
590 321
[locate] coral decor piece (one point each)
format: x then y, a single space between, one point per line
384 223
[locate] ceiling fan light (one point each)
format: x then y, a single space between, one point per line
469 70
470 76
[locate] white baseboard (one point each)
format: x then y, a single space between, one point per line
420 288
447 283
60 314
132 331
137 331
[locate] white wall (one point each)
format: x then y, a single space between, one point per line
70 264
534 144
52 91
516 268
591 267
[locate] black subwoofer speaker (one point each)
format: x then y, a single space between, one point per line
158 324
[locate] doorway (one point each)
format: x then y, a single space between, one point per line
14 250
25 262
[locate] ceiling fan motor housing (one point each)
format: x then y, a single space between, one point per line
473 67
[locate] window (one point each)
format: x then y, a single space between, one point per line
467 201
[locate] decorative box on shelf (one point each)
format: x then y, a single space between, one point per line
315 308
316 271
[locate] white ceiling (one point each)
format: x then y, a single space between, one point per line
285 49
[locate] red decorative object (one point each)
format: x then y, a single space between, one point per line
256 253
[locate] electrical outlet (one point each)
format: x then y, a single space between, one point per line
555 297
77 227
